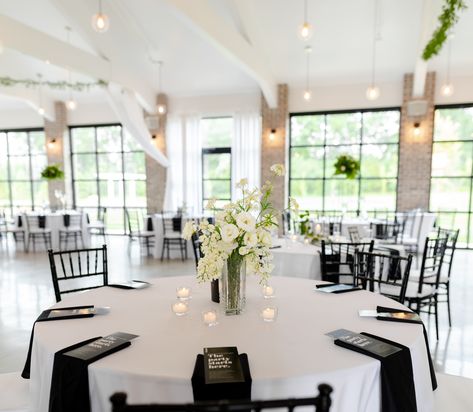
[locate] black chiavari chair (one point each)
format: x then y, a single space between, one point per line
172 236
37 231
72 231
135 221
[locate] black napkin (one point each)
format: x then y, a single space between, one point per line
42 221
214 291
44 318
176 223
20 221
433 378
67 220
397 380
70 380
219 391
149 224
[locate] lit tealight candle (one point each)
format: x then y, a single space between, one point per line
209 317
318 228
183 293
269 314
180 308
268 291
294 238
306 241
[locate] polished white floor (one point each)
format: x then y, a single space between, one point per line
26 290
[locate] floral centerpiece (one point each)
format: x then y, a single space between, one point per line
240 240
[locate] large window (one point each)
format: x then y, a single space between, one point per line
22 158
108 169
452 170
217 136
317 139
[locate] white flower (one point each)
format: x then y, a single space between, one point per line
265 237
278 169
246 222
243 251
211 203
250 239
189 229
229 232
293 204
242 183
220 217
229 206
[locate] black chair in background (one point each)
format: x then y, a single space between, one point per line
135 221
337 259
77 270
423 293
384 273
287 223
172 236
320 403
98 227
332 225
196 247
17 229
72 231
389 232
37 231
354 234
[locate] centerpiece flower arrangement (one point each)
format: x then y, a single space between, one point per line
240 240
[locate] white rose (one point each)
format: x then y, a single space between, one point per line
278 169
220 217
250 239
246 222
189 229
265 238
243 251
229 232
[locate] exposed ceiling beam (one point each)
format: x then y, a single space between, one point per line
428 20
201 17
31 98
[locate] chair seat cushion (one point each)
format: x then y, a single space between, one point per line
96 225
411 291
40 230
143 233
173 235
454 393
429 276
71 229
15 393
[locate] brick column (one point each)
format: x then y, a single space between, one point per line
415 152
155 173
273 150
54 132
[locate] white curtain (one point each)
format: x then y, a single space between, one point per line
246 150
174 196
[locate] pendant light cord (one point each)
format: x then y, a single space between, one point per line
449 52
100 6
305 11
373 54
307 70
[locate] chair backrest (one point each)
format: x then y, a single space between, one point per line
134 221
354 233
338 258
286 222
172 224
33 221
432 259
196 247
320 403
73 221
451 246
386 273
387 230
102 215
77 270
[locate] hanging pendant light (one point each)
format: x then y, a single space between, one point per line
100 21
307 95
70 103
305 29
447 88
373 92
160 107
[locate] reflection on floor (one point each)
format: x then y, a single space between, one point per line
26 290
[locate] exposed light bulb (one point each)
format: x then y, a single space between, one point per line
272 134
41 111
100 22
305 31
161 108
447 89
52 143
307 95
417 130
372 92
71 104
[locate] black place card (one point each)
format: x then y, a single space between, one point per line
132 284
400 316
71 312
336 288
100 347
367 345
222 365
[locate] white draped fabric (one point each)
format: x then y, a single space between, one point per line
246 150
174 196
130 114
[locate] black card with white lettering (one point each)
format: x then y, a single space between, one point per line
363 344
222 365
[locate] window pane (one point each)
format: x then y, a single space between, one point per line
129 142
308 193
454 124
219 189
21 194
341 194
332 153
379 160
381 127
83 139
307 130
37 142
378 194
40 193
111 192
86 193
450 194
307 162
20 167
115 220
4 194
84 166
135 167
454 221
38 163
217 166
217 132
135 193
452 159
109 139
110 165
343 128
18 143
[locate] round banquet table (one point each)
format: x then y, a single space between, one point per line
296 259
287 358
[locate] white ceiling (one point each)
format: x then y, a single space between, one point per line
193 66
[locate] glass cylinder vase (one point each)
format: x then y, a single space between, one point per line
233 296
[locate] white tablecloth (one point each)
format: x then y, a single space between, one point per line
287 358
296 259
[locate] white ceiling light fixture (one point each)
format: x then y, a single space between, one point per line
447 88
307 95
373 92
100 21
305 29
71 104
160 107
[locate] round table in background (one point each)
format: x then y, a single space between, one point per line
287 358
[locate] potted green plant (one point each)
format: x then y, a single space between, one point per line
52 172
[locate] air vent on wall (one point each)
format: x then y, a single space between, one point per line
152 122
417 108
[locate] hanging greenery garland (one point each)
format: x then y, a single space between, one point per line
62 85
449 17
347 165
52 172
